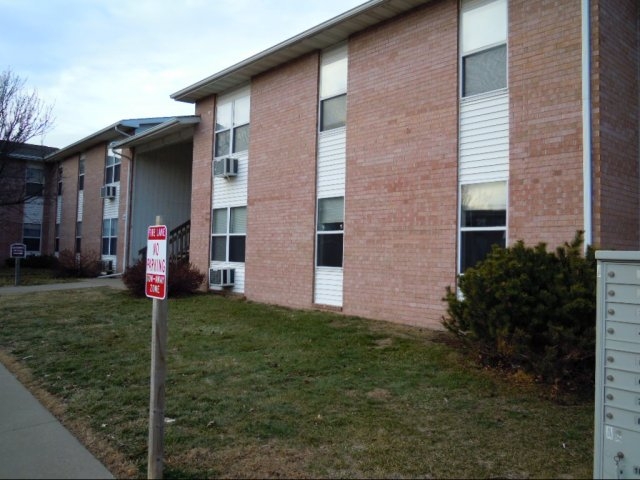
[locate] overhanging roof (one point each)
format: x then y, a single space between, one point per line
175 130
25 151
113 132
319 37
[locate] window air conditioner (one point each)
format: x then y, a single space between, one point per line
107 267
225 167
222 277
108 191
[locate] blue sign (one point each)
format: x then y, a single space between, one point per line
18 250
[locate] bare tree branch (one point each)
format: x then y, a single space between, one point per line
23 116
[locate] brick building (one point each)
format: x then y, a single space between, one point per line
365 163
24 195
93 205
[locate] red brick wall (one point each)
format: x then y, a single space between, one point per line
281 188
92 211
400 220
49 209
615 101
69 202
545 187
11 216
202 187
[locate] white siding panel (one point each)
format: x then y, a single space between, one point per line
80 205
484 138
232 192
59 209
111 205
238 286
162 186
331 163
328 291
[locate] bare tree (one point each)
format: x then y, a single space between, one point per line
23 116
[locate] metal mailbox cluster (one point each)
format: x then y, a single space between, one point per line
617 402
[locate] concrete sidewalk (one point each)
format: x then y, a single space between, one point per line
33 444
113 282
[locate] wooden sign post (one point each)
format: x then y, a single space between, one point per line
156 282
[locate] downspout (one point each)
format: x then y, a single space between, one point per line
587 164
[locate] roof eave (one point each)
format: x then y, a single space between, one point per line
107 133
328 33
160 132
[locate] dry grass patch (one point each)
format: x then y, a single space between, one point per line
258 391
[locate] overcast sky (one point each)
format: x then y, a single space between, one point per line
101 61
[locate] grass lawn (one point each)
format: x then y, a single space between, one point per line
260 391
30 276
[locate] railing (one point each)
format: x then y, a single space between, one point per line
179 239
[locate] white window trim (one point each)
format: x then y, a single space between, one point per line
117 161
338 51
39 237
462 55
461 229
227 236
231 98
109 236
329 232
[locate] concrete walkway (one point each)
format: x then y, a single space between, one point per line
113 282
33 444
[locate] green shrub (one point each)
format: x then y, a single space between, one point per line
34 261
84 265
531 310
184 278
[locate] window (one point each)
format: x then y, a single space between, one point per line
333 89
56 242
35 182
229 232
232 125
78 237
483 221
483 46
59 189
81 175
330 232
333 113
109 236
112 169
31 236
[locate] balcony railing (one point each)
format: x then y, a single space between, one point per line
179 239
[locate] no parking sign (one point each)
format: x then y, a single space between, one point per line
156 272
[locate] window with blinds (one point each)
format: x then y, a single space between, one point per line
330 232
229 233
483 40
483 219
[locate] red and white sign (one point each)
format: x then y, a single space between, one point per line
157 266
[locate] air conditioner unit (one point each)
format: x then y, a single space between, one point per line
108 191
107 267
225 167
222 277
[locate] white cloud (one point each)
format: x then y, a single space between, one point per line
100 61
